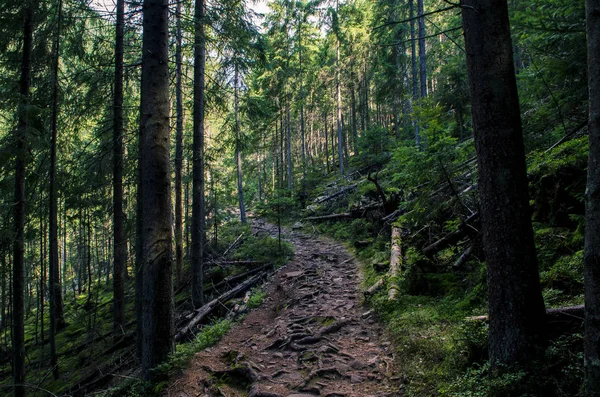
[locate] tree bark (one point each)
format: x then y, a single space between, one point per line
516 307
395 262
339 108
415 78
119 240
592 209
178 147
198 202
288 145
238 152
18 322
56 305
422 49
157 255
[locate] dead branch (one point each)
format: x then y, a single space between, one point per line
464 257
207 309
338 193
464 230
374 288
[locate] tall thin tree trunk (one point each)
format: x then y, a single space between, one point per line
339 106
120 242
56 305
4 275
366 96
422 49
238 152
302 121
592 209
288 145
326 141
414 74
178 147
198 204
353 110
18 322
517 318
157 305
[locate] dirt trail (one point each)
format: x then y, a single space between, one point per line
310 337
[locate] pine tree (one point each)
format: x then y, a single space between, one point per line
516 309
157 255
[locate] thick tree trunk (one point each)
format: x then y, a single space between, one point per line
178 147
18 324
592 209
157 255
56 305
198 202
516 307
119 240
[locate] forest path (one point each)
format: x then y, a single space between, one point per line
310 337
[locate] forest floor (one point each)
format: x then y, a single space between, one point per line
310 337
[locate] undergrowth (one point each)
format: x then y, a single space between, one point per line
177 361
440 349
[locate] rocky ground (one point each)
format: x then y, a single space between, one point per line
310 337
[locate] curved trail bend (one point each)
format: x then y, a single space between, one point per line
310 337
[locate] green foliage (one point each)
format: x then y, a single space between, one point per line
265 249
374 147
559 373
256 299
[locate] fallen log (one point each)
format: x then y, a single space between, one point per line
557 317
345 215
237 263
393 216
338 193
205 310
238 277
352 214
362 243
464 229
395 263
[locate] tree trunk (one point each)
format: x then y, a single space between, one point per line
516 307
422 49
238 152
288 145
326 142
198 204
339 109
592 209
119 240
157 255
353 110
413 59
18 322
178 148
56 306
395 263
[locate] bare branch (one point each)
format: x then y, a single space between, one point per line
414 18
